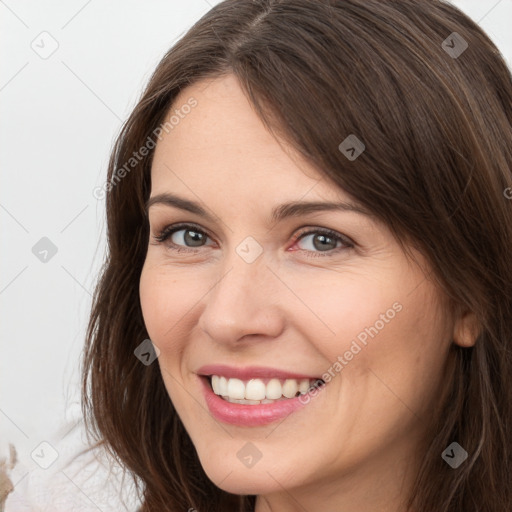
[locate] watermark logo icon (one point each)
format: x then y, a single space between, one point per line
249 249
249 455
147 352
44 250
45 45
454 455
454 45
44 455
352 147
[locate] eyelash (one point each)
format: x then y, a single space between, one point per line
166 233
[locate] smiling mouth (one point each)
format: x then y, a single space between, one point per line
260 391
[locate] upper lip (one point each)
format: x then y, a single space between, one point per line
250 372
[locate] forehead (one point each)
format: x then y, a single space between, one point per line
220 146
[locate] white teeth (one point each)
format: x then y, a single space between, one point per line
290 388
215 384
236 389
255 391
274 389
223 386
304 386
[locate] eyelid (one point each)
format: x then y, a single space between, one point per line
326 231
169 230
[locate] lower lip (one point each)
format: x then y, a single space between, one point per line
252 415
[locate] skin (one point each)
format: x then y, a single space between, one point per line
355 446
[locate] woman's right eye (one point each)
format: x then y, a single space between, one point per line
188 234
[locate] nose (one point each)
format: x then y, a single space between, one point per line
243 304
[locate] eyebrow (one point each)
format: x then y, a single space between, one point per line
280 212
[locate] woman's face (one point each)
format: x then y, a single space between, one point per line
245 295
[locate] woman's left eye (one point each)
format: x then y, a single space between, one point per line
321 241
325 240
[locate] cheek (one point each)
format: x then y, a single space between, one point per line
165 300
402 361
369 329
345 308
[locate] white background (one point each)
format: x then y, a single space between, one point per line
59 117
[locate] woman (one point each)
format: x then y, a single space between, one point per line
306 303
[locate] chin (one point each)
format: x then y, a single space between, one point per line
244 481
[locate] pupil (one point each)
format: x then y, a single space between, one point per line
322 238
195 239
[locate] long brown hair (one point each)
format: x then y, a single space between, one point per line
434 111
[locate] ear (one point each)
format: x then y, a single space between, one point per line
466 329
